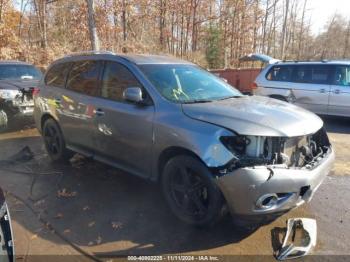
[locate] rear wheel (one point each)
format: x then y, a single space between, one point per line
190 192
54 141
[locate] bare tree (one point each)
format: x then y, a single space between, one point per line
95 44
284 29
347 36
301 30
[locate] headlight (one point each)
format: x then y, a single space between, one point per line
236 144
8 94
253 150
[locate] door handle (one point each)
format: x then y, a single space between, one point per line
322 90
337 91
99 112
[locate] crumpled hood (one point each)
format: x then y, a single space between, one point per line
18 84
256 116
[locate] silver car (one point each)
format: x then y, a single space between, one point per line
170 121
321 87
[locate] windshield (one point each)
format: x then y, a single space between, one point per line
19 72
188 83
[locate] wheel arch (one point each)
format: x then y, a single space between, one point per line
171 152
45 117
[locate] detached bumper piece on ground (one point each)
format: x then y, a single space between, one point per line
6 239
300 238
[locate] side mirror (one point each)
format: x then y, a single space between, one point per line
133 94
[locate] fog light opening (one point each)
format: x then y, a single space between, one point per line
267 201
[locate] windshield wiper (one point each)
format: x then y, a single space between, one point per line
229 97
194 101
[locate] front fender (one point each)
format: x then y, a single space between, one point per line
200 138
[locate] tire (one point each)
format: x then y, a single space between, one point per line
3 120
54 142
190 191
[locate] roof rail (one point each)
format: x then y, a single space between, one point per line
307 60
90 52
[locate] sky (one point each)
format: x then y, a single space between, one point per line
322 10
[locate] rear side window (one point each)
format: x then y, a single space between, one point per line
342 76
57 74
116 79
312 74
84 77
280 73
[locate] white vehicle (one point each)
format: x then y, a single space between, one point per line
322 87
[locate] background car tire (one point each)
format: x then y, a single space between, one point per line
6 121
54 142
182 194
3 120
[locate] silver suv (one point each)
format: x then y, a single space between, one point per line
170 121
322 87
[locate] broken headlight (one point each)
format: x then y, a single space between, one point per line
8 94
252 150
297 151
235 144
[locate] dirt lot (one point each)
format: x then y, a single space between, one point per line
91 208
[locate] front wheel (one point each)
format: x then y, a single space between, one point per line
190 191
54 141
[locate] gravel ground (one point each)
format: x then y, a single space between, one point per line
92 209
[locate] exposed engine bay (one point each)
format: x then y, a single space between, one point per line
15 103
297 152
17 100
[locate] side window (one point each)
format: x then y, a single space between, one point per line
56 76
116 79
280 73
312 74
84 77
342 76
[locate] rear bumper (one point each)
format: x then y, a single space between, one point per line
244 187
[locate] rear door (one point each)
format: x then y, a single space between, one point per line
51 91
311 86
339 100
76 112
123 130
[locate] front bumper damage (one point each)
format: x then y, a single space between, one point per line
300 238
264 190
15 104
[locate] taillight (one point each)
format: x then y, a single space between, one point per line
36 91
254 85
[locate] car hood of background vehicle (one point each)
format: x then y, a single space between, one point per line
17 84
256 116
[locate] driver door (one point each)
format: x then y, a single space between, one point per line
123 130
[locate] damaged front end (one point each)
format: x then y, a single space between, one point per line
273 174
294 152
15 103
